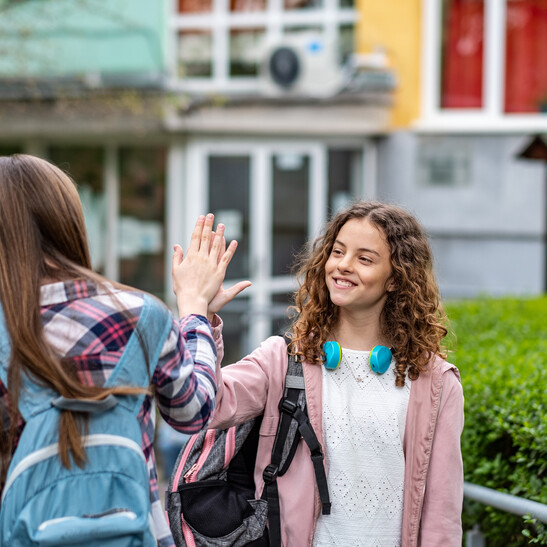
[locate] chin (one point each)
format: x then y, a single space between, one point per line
337 301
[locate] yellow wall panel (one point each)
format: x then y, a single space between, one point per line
395 26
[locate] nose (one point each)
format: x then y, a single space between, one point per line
345 264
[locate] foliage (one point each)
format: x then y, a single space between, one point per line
500 348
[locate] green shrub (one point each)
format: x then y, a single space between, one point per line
500 348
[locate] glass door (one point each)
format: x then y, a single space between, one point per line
273 197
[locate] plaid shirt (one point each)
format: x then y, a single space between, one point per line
83 323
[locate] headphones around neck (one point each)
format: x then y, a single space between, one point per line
379 358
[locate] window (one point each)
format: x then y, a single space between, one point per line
444 161
485 58
462 54
195 54
245 51
344 175
85 167
141 244
526 51
229 198
221 44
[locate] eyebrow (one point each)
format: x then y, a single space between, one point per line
361 249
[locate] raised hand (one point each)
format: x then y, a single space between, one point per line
198 276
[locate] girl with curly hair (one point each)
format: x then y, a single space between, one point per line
385 404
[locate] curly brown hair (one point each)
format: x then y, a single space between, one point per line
412 318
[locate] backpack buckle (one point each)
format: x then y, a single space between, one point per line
288 407
270 473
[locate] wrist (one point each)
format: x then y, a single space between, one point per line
191 304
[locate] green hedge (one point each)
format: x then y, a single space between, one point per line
500 348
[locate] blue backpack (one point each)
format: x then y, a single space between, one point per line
107 503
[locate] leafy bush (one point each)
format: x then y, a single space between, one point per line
500 348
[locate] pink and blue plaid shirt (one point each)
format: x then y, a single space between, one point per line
83 323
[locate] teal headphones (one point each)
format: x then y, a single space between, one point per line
379 358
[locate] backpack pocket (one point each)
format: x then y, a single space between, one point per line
87 507
105 530
221 515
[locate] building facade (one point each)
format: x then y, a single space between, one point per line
471 98
273 114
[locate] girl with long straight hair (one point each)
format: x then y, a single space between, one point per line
69 326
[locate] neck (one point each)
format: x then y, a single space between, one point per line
359 332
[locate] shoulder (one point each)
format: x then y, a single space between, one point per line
440 377
270 357
275 343
89 303
440 368
447 376
270 351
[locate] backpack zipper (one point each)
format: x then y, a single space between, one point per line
230 446
53 449
189 473
181 462
208 441
126 514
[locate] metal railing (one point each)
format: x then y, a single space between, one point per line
500 500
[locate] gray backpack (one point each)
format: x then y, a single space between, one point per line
211 496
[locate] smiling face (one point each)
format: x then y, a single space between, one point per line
358 268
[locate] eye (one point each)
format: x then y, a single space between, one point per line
365 259
336 252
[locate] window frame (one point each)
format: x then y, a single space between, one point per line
492 115
220 21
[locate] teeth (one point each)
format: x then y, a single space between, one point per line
343 283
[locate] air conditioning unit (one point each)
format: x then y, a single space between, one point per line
302 65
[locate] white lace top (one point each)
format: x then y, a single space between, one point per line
364 417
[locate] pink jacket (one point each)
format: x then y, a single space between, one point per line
433 491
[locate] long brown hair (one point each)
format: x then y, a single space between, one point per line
412 317
42 237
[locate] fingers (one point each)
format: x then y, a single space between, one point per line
178 255
224 296
217 246
222 249
226 257
207 234
204 239
208 245
233 291
195 240
176 261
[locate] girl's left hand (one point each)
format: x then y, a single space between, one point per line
198 276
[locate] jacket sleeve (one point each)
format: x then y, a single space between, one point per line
443 499
243 387
184 378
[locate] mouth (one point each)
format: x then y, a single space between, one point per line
343 283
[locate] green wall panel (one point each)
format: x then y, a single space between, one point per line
74 37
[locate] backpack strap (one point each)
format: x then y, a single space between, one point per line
5 348
293 424
140 357
135 367
32 397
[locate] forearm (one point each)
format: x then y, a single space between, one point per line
185 378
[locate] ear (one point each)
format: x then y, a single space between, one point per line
390 285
